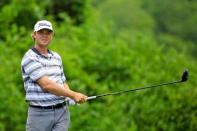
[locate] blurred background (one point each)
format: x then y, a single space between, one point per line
107 46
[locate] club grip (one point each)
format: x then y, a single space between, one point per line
70 101
91 97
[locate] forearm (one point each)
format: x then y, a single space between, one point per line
54 88
66 86
60 90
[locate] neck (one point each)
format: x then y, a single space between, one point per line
42 50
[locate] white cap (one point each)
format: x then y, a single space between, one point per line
43 24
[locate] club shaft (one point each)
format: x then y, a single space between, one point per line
132 90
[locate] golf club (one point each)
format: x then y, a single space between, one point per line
184 78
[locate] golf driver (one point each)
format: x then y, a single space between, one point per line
184 78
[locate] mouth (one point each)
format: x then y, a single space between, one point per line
44 40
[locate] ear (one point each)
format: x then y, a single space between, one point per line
33 35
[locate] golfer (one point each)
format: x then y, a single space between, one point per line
45 84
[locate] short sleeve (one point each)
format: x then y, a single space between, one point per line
33 68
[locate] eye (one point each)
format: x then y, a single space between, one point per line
45 31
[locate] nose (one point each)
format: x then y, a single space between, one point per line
46 32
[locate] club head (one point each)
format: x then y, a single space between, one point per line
185 75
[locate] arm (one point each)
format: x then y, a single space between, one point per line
54 88
77 96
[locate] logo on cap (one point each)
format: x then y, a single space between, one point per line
43 24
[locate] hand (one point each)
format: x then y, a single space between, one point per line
79 97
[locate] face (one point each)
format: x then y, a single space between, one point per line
43 37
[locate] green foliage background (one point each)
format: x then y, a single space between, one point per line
107 46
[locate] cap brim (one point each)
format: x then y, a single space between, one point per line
47 28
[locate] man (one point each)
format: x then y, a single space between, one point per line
45 84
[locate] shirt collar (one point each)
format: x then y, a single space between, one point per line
38 53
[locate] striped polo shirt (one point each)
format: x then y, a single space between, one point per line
35 65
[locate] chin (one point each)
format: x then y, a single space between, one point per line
45 43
